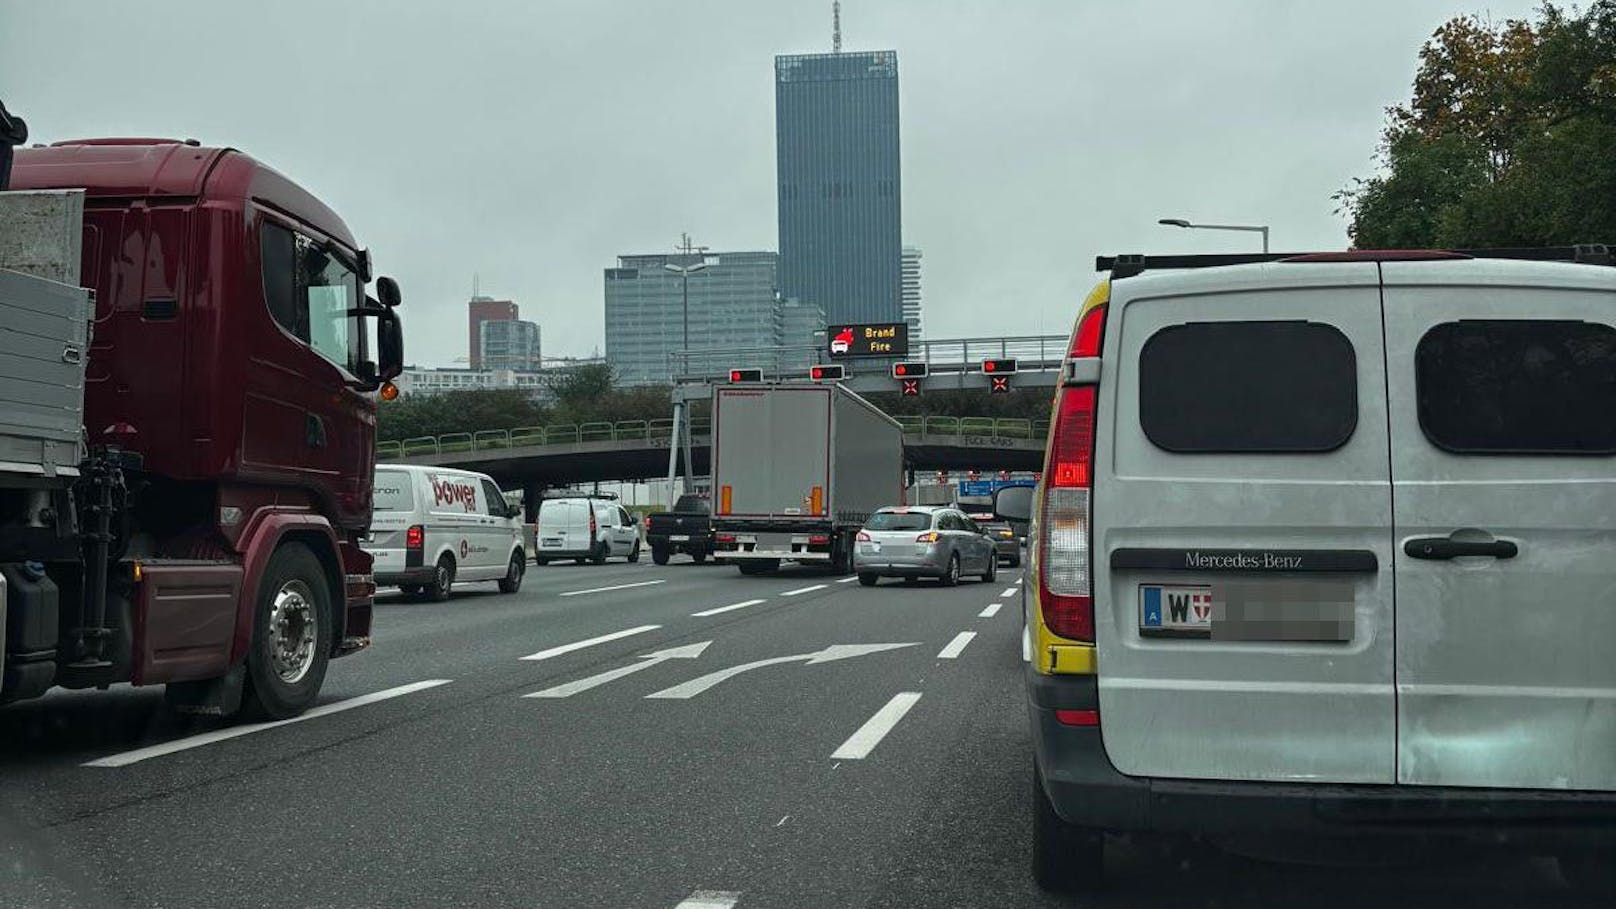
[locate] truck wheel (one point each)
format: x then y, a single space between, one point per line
599 555
1065 858
410 590
287 656
659 555
951 574
698 556
869 580
442 579
512 581
634 554
841 556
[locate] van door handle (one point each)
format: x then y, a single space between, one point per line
1439 548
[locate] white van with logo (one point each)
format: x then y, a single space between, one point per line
435 527
1326 545
586 530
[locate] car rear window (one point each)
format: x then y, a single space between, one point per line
1518 386
392 491
893 520
1248 387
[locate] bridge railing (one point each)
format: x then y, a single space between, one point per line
1034 352
648 430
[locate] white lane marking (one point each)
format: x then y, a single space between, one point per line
647 660
991 611
861 743
576 593
830 654
220 735
956 646
848 580
579 645
1018 581
1009 592
710 899
792 593
741 605
781 822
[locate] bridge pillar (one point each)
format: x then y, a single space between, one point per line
532 496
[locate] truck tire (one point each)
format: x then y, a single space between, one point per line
1065 858
410 590
286 658
699 556
869 580
443 575
841 556
659 555
512 581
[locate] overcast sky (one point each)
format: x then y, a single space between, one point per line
531 142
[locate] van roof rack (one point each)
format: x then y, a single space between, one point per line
1129 264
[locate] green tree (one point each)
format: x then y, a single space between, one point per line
468 410
1505 141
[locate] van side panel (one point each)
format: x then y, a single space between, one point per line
1186 520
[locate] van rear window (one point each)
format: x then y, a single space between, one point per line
1248 387
1518 386
392 491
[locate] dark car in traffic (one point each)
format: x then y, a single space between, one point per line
687 528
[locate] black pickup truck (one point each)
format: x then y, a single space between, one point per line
688 528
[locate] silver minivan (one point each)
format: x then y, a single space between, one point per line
1327 546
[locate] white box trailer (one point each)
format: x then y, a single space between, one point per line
796 471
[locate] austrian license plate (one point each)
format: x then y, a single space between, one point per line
1181 610
680 538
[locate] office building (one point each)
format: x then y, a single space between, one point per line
802 330
732 306
839 196
482 309
418 381
911 291
509 344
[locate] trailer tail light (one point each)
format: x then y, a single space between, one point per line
1066 578
819 539
930 536
723 538
415 537
864 537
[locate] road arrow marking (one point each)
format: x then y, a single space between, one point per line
647 660
830 654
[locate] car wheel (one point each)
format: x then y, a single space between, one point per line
951 574
540 560
1015 561
659 555
1591 873
634 554
599 556
512 581
1065 858
993 569
443 575
287 656
869 580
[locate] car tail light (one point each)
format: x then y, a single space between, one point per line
1066 579
864 537
929 536
818 539
415 537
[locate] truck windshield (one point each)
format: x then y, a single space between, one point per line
898 520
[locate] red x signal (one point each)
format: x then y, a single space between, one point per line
999 385
910 388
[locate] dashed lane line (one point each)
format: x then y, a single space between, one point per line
220 735
733 606
710 899
578 593
579 645
1008 592
956 646
861 743
800 590
991 611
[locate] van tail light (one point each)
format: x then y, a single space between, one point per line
1078 717
415 537
929 536
592 523
864 537
1066 577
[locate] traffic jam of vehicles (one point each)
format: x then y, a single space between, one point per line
1321 544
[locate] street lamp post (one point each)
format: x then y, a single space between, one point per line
1254 228
683 271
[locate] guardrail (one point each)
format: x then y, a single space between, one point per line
943 355
650 430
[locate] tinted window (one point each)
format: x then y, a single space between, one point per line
309 292
691 505
1232 387
893 520
279 259
494 498
393 491
1518 386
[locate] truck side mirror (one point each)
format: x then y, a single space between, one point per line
387 292
389 342
1013 503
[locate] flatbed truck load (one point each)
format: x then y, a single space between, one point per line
187 426
797 469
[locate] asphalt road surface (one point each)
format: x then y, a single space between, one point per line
625 736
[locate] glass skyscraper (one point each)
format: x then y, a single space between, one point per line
836 146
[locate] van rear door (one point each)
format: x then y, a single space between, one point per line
1503 427
1242 526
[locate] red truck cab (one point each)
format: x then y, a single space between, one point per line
230 363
